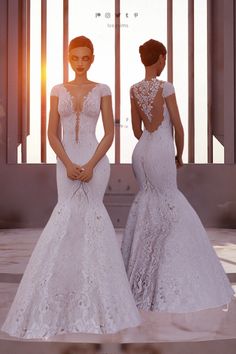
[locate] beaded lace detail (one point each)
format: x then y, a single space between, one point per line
169 260
145 92
78 103
75 280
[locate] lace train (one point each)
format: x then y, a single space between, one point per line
169 260
67 286
75 280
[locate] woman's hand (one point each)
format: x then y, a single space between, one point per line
178 161
73 171
86 172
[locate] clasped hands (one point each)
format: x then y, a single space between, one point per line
76 172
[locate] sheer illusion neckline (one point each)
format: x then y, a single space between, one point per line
76 112
73 97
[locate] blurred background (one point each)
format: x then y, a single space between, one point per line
200 40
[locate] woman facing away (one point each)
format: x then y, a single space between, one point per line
75 280
169 260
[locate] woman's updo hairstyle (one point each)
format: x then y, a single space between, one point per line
81 41
150 51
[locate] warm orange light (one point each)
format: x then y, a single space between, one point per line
43 73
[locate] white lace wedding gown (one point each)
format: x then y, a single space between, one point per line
75 280
169 260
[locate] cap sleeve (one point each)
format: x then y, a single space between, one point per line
54 91
168 89
106 91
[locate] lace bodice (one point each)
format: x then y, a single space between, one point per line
68 284
146 91
164 236
79 122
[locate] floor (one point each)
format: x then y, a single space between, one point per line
214 329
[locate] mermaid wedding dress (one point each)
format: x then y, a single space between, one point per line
75 280
169 260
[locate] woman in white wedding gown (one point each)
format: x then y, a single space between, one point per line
169 260
75 280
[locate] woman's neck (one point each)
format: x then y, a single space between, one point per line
150 73
80 79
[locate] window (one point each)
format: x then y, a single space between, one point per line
117 29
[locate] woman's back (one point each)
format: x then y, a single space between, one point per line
149 99
164 235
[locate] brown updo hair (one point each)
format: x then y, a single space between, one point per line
150 51
81 41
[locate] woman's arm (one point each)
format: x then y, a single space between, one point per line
135 117
72 169
105 143
178 127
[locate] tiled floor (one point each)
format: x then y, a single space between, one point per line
16 246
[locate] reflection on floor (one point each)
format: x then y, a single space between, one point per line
208 331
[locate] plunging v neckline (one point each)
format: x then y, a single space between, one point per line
75 111
85 98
